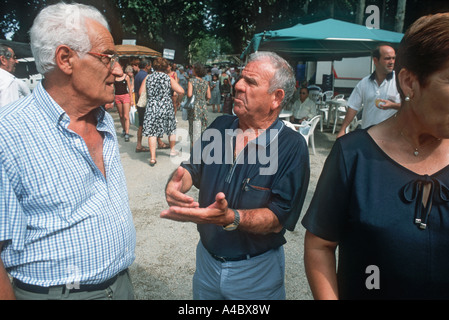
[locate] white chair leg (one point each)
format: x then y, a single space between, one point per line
312 142
335 125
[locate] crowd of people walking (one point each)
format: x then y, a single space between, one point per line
164 86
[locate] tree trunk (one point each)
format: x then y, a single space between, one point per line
359 18
400 15
332 9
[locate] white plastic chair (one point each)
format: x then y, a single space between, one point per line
339 96
340 113
290 125
315 95
324 108
310 135
354 124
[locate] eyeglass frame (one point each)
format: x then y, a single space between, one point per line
113 58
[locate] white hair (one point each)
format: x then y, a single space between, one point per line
284 77
61 24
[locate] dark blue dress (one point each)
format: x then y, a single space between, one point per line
371 206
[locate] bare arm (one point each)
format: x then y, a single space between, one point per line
189 89
176 86
259 221
208 95
142 86
350 114
320 264
6 291
183 208
130 90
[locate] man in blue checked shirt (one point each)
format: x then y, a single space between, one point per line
66 230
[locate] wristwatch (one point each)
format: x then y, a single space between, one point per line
235 224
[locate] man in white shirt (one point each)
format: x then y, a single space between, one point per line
303 108
377 93
11 88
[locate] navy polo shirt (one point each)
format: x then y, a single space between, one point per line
271 172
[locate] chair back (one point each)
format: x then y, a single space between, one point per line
315 95
313 122
339 96
328 95
289 124
310 135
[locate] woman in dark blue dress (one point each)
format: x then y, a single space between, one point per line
383 195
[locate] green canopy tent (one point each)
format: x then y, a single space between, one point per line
326 40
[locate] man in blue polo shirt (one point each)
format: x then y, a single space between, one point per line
252 172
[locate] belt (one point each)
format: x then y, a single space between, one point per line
238 258
81 288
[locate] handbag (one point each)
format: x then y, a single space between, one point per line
142 103
132 114
188 103
185 114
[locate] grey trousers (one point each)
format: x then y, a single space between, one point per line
121 289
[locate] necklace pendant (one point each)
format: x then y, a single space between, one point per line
416 153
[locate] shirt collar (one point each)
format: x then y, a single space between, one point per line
388 77
53 109
263 139
5 73
6 78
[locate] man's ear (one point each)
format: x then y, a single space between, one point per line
2 61
64 58
279 96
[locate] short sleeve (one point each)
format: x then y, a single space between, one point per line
328 209
12 218
355 99
290 188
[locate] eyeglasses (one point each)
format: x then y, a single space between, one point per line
107 59
9 56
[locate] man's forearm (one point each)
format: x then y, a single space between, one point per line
6 291
259 221
350 114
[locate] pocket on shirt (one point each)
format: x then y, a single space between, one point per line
254 196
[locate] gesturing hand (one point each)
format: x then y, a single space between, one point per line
174 192
217 213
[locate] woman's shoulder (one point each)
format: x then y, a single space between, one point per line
354 139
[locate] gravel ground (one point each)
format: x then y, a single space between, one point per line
165 252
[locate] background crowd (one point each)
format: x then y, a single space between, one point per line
213 88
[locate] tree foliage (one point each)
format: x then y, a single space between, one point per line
182 24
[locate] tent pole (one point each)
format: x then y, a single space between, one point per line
332 75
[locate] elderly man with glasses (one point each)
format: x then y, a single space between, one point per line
66 230
11 88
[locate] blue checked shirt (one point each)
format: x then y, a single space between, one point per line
61 220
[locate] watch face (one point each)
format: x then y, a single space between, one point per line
230 227
235 224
